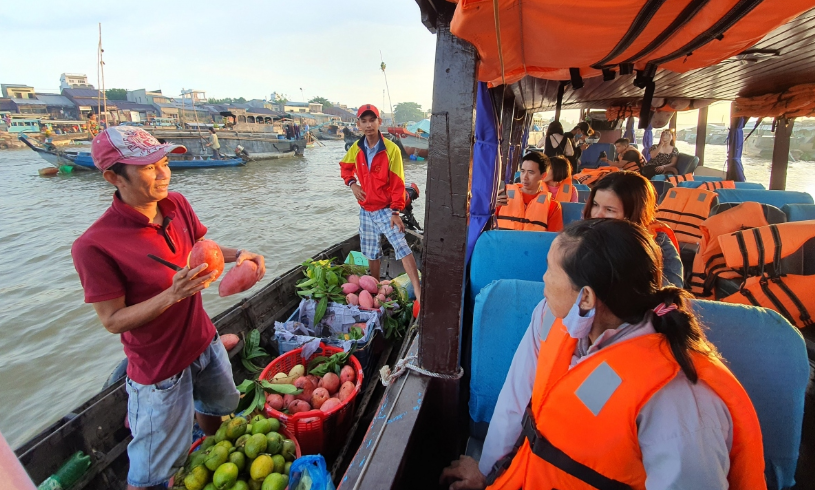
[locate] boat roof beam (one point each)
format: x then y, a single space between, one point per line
781 153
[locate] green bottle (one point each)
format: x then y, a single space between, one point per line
69 473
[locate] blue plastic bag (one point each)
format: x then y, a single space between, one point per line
310 473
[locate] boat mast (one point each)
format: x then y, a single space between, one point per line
382 67
101 96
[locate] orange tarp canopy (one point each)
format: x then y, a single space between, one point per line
544 38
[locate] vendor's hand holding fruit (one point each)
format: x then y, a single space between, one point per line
258 259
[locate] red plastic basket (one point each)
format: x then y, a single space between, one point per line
283 432
317 432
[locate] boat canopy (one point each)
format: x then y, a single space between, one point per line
546 39
423 126
551 55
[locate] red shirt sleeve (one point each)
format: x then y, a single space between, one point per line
101 278
555 220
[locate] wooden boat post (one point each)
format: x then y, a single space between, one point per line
701 135
445 238
781 153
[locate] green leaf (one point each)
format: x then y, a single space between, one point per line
320 311
351 259
332 278
258 353
314 362
250 366
260 399
247 386
282 389
306 283
307 292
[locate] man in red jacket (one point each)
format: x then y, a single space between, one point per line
373 170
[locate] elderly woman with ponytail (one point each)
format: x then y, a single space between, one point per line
614 385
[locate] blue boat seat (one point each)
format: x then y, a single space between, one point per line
581 187
686 164
762 349
583 196
799 212
693 184
769 357
508 254
501 315
572 211
590 158
774 198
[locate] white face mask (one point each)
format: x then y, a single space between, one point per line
576 324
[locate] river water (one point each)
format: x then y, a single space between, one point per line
54 353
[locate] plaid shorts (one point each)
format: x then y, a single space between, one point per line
372 224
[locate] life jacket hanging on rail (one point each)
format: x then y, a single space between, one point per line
684 210
719 184
676 179
709 263
579 431
588 176
752 250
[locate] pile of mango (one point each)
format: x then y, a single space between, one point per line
242 455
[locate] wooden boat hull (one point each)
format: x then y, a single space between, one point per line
415 146
97 426
327 136
84 160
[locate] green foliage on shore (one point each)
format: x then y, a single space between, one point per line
116 94
322 100
228 100
408 111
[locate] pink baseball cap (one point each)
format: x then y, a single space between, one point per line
129 145
368 107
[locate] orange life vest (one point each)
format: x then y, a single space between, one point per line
657 227
564 190
631 166
588 176
684 210
751 250
720 184
518 216
676 179
709 263
574 437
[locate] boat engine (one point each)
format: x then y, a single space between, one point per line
411 194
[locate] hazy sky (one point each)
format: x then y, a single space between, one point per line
240 48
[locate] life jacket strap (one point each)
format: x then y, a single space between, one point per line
542 448
522 220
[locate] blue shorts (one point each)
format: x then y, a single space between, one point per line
162 415
372 224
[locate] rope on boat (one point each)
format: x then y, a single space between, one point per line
387 377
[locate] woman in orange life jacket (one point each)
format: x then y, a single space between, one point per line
558 179
614 384
629 196
512 212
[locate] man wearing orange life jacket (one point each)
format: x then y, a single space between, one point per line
525 206
622 390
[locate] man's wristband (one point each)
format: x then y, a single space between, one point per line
351 182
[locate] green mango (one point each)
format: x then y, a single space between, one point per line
286 468
242 441
220 434
236 428
225 476
262 427
257 418
197 458
275 424
239 459
279 463
208 443
289 451
255 445
274 443
217 456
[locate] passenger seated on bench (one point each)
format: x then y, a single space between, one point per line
629 196
557 143
558 179
614 384
628 157
525 206
664 156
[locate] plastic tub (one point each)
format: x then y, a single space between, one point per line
317 432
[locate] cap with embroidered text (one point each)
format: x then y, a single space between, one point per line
129 145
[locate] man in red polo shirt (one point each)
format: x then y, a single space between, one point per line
178 370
